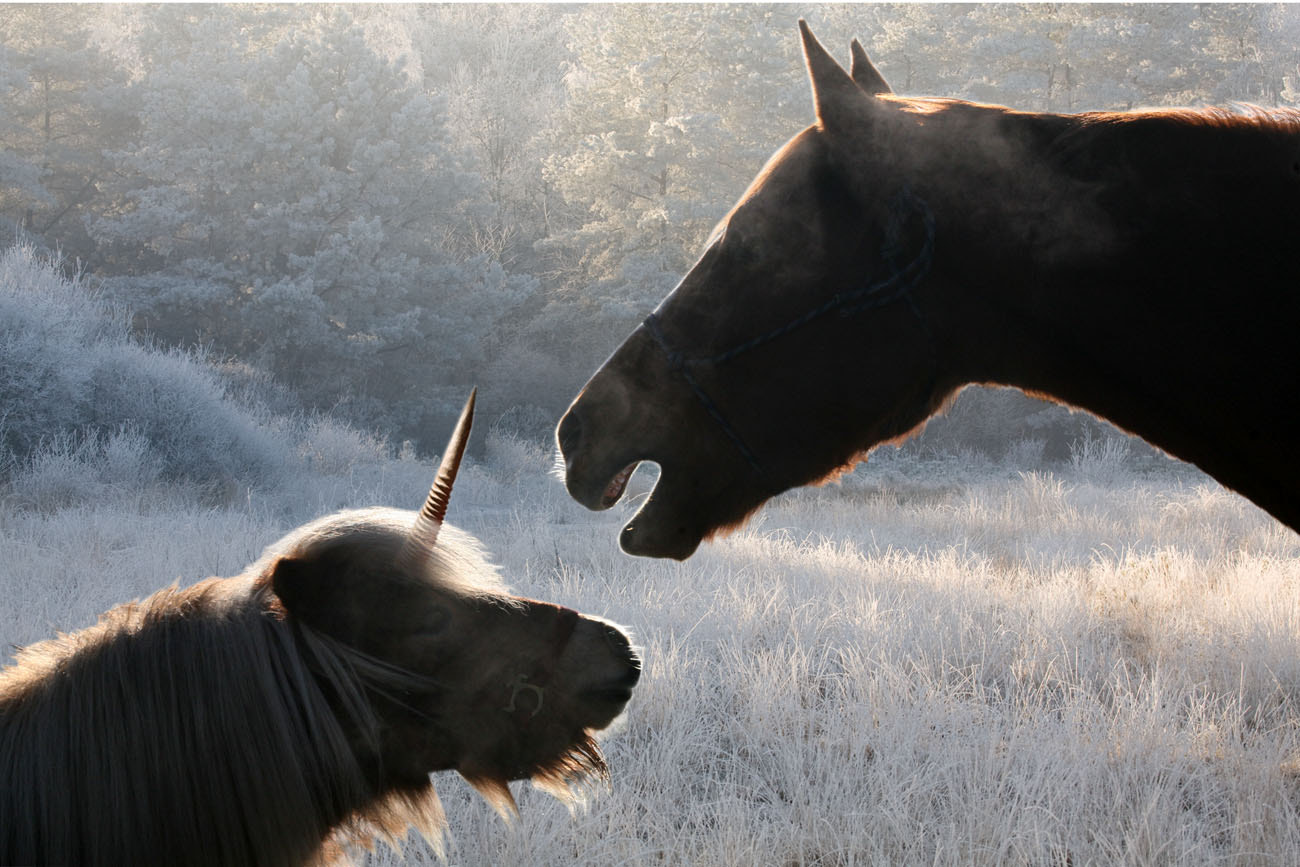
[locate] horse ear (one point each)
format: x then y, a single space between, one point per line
424 534
834 92
311 589
293 581
864 72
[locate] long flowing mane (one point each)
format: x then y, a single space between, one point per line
192 727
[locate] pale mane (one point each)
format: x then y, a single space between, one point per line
458 562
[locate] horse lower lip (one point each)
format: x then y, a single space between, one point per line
634 540
614 695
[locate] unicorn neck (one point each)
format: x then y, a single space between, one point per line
186 713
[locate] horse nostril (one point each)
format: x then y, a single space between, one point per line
569 433
619 643
615 638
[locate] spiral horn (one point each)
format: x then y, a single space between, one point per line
424 533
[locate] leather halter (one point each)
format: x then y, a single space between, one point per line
897 285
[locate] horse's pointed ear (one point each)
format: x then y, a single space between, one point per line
424 534
298 587
834 92
290 579
309 588
864 72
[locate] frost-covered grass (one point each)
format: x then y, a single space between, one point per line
930 663
947 661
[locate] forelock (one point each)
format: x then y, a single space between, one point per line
458 561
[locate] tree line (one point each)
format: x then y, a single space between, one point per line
375 206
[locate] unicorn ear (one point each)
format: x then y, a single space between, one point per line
424 534
291 579
298 584
835 93
864 72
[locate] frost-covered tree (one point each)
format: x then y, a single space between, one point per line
921 48
300 195
1073 57
502 70
63 101
671 111
1050 57
20 174
1255 50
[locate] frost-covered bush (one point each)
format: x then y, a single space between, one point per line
516 457
330 447
1101 460
49 325
181 407
998 422
73 468
76 390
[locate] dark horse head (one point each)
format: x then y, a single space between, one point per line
280 716
520 684
901 248
715 386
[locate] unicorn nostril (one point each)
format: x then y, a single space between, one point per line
618 642
615 638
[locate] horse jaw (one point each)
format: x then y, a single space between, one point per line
686 506
690 505
658 528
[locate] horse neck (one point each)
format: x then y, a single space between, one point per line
1137 269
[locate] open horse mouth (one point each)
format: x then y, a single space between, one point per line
614 490
670 523
657 529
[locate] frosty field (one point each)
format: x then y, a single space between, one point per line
236 237
944 662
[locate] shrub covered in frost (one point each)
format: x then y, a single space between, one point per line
77 391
